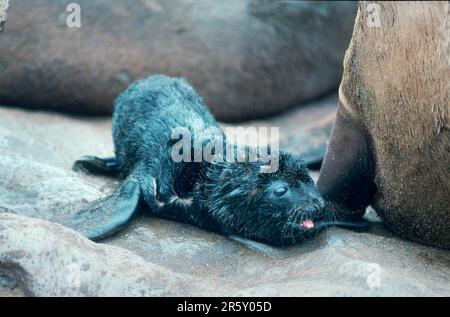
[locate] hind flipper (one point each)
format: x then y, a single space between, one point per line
108 215
96 165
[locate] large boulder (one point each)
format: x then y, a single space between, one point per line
155 257
248 58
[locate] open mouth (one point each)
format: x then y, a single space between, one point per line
308 224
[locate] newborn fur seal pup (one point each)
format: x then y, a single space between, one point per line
231 198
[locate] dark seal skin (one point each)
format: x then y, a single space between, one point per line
247 58
231 198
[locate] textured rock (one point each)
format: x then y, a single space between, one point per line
158 257
46 259
51 260
248 58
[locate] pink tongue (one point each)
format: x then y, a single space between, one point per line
307 224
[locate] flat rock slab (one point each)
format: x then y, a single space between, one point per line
155 257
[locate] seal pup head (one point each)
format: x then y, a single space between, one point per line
276 208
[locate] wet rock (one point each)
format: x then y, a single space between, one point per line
36 154
247 58
172 259
51 260
158 257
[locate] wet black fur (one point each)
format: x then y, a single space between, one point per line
231 198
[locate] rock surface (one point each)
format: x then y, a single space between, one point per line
158 257
50 260
247 58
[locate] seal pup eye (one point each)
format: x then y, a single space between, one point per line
280 191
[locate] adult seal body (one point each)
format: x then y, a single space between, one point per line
232 198
390 143
247 58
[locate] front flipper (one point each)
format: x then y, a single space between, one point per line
183 210
96 165
347 173
108 215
